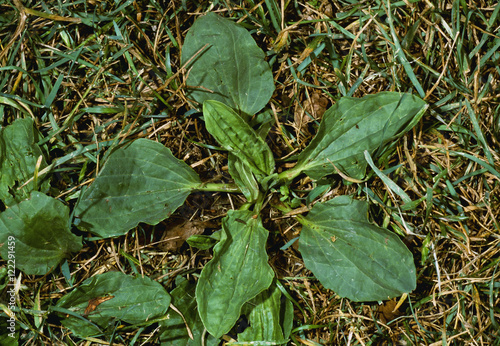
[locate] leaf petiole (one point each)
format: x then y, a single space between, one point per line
290 174
218 187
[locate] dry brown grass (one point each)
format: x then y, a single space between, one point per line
449 160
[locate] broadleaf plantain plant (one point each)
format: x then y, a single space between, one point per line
143 182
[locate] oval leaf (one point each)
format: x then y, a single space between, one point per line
354 125
36 231
231 69
353 257
237 272
105 298
235 135
141 182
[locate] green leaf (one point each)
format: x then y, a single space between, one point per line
19 154
267 316
141 182
4 278
237 272
243 177
105 298
353 257
354 125
9 330
202 242
236 136
263 122
36 232
174 331
231 69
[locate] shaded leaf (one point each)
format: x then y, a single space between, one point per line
115 297
262 122
141 182
202 242
4 278
353 257
9 331
237 272
41 235
354 125
174 331
268 315
243 177
235 135
231 69
19 154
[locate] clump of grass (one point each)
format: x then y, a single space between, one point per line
93 75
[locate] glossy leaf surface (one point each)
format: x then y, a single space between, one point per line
141 182
237 272
353 257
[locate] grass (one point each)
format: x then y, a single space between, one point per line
94 74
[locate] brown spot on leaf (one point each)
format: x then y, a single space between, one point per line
94 303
